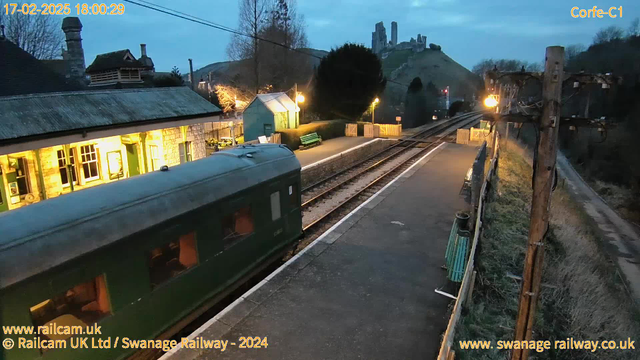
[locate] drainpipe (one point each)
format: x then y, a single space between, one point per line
43 190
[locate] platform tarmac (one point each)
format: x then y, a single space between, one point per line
365 288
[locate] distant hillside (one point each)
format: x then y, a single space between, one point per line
227 71
429 65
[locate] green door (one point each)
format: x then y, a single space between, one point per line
4 206
132 159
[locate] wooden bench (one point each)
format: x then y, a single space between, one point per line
310 140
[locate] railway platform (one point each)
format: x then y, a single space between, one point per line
362 290
328 148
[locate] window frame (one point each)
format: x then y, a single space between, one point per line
91 160
23 167
57 296
154 155
184 151
234 237
72 160
175 237
275 196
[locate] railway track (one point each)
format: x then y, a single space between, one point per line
329 199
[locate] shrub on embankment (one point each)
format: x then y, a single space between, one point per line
582 295
327 129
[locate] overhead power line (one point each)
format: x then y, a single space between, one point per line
195 19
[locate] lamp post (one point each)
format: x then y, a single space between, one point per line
373 110
299 100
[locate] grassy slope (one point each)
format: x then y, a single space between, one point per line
429 65
585 299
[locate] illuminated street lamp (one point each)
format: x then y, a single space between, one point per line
373 110
299 99
491 101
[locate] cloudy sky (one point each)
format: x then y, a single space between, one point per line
467 30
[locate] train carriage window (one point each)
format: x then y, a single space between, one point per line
237 226
171 259
82 305
275 206
293 196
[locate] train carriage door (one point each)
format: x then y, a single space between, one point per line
4 206
132 159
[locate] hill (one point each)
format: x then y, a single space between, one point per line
231 71
402 66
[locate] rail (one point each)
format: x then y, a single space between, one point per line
466 288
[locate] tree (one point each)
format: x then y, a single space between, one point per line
347 81
251 19
634 28
174 79
608 34
39 35
282 66
571 52
504 65
415 104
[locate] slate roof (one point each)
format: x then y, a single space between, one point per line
48 115
59 66
276 102
114 60
21 73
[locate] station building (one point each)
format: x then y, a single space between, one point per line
54 143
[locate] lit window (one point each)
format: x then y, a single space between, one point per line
155 157
89 162
82 305
237 226
171 259
275 206
22 176
64 169
185 152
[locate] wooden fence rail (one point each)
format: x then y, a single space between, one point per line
466 288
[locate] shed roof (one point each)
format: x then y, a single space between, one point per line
48 115
114 60
276 102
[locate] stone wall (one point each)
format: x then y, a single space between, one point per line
172 137
345 160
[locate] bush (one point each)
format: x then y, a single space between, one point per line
327 129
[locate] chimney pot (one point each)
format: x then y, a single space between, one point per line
143 50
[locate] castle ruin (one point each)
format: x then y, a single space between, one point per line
380 43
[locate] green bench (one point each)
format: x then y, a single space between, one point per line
310 140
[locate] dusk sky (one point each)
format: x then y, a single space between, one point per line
468 31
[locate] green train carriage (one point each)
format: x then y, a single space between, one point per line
139 256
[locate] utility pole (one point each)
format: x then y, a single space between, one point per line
542 187
191 73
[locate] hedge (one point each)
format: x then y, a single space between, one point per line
327 129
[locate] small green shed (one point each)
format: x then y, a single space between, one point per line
268 113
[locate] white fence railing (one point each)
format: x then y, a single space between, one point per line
446 353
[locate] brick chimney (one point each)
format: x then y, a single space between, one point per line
143 50
74 55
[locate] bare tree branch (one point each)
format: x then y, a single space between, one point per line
39 35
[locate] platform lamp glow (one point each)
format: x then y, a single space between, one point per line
373 110
491 101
